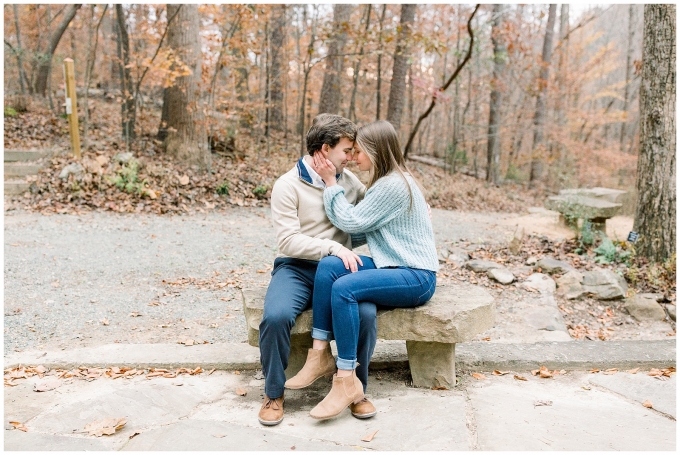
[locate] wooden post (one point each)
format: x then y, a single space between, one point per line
72 106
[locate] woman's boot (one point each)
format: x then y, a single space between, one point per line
319 363
344 392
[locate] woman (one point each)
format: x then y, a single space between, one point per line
402 273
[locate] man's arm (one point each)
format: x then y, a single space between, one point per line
289 238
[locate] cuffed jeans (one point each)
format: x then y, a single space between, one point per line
339 295
289 294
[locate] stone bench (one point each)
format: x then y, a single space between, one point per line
455 314
574 206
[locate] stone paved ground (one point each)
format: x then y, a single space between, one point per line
584 412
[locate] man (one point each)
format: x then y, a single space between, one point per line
304 236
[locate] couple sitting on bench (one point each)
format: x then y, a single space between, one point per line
320 211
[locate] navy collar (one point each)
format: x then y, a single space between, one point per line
304 175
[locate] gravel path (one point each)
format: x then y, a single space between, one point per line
75 281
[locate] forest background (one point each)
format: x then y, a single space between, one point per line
505 103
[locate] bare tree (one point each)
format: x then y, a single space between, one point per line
330 91
45 64
629 65
538 147
127 106
352 115
379 69
655 212
22 73
499 57
400 66
276 48
186 140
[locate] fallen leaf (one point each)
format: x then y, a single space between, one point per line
241 392
219 435
647 404
534 372
585 387
486 339
500 373
226 299
211 372
544 373
104 321
370 437
633 371
134 314
520 378
479 376
542 403
55 284
654 372
19 426
133 435
237 372
595 370
292 447
184 180
611 371
106 426
46 385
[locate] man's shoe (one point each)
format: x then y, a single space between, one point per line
363 409
271 412
319 363
345 391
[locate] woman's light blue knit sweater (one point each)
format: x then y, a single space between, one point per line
396 235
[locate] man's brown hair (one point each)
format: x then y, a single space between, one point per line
329 129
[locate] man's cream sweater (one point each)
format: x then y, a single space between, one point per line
302 228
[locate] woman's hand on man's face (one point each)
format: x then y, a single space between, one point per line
324 168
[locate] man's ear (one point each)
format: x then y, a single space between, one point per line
324 150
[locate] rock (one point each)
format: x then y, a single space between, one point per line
671 311
605 284
74 168
503 276
531 260
540 282
569 285
644 307
517 239
443 254
122 158
478 265
552 265
458 256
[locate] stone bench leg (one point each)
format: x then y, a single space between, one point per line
599 224
432 364
299 345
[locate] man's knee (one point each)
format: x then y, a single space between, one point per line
277 319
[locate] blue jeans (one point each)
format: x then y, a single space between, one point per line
289 294
339 294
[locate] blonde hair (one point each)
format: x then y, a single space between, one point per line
380 143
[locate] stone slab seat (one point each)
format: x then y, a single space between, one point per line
455 314
587 208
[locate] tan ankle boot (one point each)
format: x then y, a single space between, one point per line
319 363
344 392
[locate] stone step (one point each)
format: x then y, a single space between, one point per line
25 155
15 187
21 169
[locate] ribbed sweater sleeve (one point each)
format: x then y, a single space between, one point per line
383 202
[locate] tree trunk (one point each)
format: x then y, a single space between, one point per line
655 212
332 78
395 104
629 64
127 107
351 114
22 73
499 56
187 139
538 147
276 72
379 69
46 63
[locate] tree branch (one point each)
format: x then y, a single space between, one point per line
160 43
412 135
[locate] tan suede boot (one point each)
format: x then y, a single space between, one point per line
319 363
345 391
